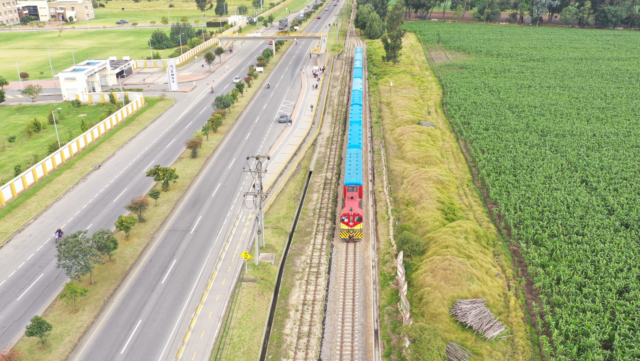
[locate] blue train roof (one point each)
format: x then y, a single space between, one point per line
355 135
357 73
357 84
355 117
353 168
358 49
357 63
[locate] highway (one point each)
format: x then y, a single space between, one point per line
148 316
29 279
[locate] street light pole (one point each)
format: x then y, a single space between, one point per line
19 77
53 112
150 49
180 37
74 57
51 65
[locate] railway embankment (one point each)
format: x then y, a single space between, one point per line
452 248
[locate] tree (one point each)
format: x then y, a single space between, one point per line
83 126
11 139
248 79
219 51
78 255
223 102
193 42
392 40
32 91
105 242
209 58
194 144
71 292
154 194
362 16
3 82
164 20
181 28
40 328
410 244
540 8
160 40
569 15
382 8
609 16
138 205
125 224
240 87
203 5
234 95
490 12
24 76
242 9
2 96
375 27
112 98
164 175
256 3
270 19
584 14
215 121
221 6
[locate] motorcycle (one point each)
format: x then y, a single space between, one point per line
268 86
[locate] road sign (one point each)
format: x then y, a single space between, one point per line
246 255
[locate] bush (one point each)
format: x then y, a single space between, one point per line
17 170
76 103
134 24
410 244
171 5
53 147
101 5
24 76
71 19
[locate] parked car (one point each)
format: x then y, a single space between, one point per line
237 79
283 118
122 22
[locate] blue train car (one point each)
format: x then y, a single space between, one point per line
355 135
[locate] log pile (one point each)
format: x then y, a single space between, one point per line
476 315
455 352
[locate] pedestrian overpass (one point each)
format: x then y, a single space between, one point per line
319 48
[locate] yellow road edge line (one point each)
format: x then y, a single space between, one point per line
186 337
204 297
180 352
193 322
209 285
198 310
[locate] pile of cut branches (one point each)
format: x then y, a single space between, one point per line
476 315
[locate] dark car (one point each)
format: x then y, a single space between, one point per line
122 22
283 118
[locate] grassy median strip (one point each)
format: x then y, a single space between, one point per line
34 200
69 327
242 340
432 192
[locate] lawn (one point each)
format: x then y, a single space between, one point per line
144 12
432 191
30 49
27 151
553 133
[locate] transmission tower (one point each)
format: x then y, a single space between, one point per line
257 167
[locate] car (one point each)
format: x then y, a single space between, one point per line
326 9
283 118
318 17
237 79
122 22
270 42
335 4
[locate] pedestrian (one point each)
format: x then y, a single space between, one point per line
302 70
311 107
309 55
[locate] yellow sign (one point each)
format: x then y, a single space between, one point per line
245 255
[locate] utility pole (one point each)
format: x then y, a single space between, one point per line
258 170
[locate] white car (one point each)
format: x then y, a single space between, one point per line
237 79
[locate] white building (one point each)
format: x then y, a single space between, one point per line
9 12
59 10
94 76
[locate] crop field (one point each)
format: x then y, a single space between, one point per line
550 117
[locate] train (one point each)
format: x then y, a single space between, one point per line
351 216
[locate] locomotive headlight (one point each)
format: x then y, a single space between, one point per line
351 223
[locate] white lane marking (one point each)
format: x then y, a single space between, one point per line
78 212
3 282
169 271
170 143
11 274
205 108
214 192
257 119
129 340
147 167
264 106
40 246
196 225
21 265
34 282
189 123
231 163
247 137
90 226
120 195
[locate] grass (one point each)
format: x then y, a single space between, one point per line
333 45
69 328
146 11
26 151
35 199
243 340
30 49
432 190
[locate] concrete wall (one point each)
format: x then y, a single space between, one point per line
31 176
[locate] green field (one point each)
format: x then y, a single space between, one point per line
146 11
30 49
551 119
28 151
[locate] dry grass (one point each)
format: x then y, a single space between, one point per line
68 329
432 190
37 198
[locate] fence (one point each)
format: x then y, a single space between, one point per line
22 182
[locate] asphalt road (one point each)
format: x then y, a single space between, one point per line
29 280
147 317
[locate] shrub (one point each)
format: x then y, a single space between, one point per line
71 19
17 170
76 103
410 244
171 5
101 5
194 144
24 76
53 147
